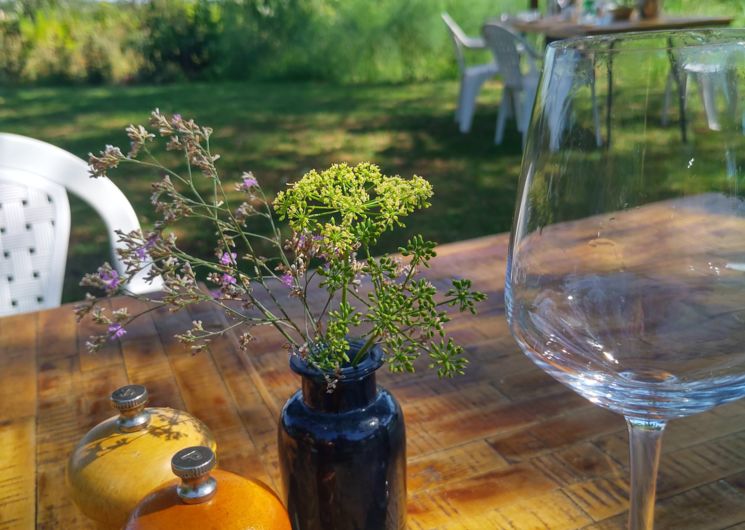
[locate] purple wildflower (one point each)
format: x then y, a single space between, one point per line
227 279
286 279
141 252
116 331
176 118
249 181
228 258
110 278
216 294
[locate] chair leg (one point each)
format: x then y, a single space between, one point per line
707 90
522 112
518 109
459 108
504 113
666 101
680 85
471 88
595 112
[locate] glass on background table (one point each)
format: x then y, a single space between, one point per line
643 315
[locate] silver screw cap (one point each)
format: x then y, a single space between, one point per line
130 401
193 462
129 397
193 465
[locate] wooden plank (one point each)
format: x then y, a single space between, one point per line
600 498
18 389
479 494
146 362
578 463
258 423
552 511
505 446
60 424
58 333
203 384
434 470
713 506
73 397
18 333
17 474
108 355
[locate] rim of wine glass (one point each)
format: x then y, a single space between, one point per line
689 38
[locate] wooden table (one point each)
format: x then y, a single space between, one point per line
555 27
505 446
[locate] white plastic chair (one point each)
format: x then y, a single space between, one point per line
35 221
711 79
520 87
471 77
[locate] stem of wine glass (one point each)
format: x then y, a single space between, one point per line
645 441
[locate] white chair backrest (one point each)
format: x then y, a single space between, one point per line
459 40
34 229
20 155
503 42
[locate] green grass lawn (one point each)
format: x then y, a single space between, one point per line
281 130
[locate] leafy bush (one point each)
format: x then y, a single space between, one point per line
13 53
348 41
180 39
66 43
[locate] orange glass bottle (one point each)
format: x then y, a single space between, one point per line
206 498
126 456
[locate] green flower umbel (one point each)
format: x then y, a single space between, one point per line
350 206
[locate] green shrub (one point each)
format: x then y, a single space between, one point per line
350 40
66 43
13 55
180 39
347 41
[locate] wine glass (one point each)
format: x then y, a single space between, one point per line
626 272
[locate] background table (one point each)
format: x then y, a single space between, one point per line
555 27
503 447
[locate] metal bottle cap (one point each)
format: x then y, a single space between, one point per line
193 465
129 397
130 401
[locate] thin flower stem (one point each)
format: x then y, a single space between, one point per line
285 261
365 347
217 183
400 314
264 310
326 307
267 313
156 164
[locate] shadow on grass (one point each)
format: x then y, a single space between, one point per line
281 130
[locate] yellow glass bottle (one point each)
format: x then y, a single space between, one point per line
126 456
205 497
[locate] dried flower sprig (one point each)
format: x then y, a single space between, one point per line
335 218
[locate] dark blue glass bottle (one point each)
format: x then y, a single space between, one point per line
343 453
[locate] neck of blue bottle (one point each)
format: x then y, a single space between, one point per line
350 388
339 396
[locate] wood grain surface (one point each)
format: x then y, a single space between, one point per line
503 447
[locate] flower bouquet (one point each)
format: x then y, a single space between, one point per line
373 308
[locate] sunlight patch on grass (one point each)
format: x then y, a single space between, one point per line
280 131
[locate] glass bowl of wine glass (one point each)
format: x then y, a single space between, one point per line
626 272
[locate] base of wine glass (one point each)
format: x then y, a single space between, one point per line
646 396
